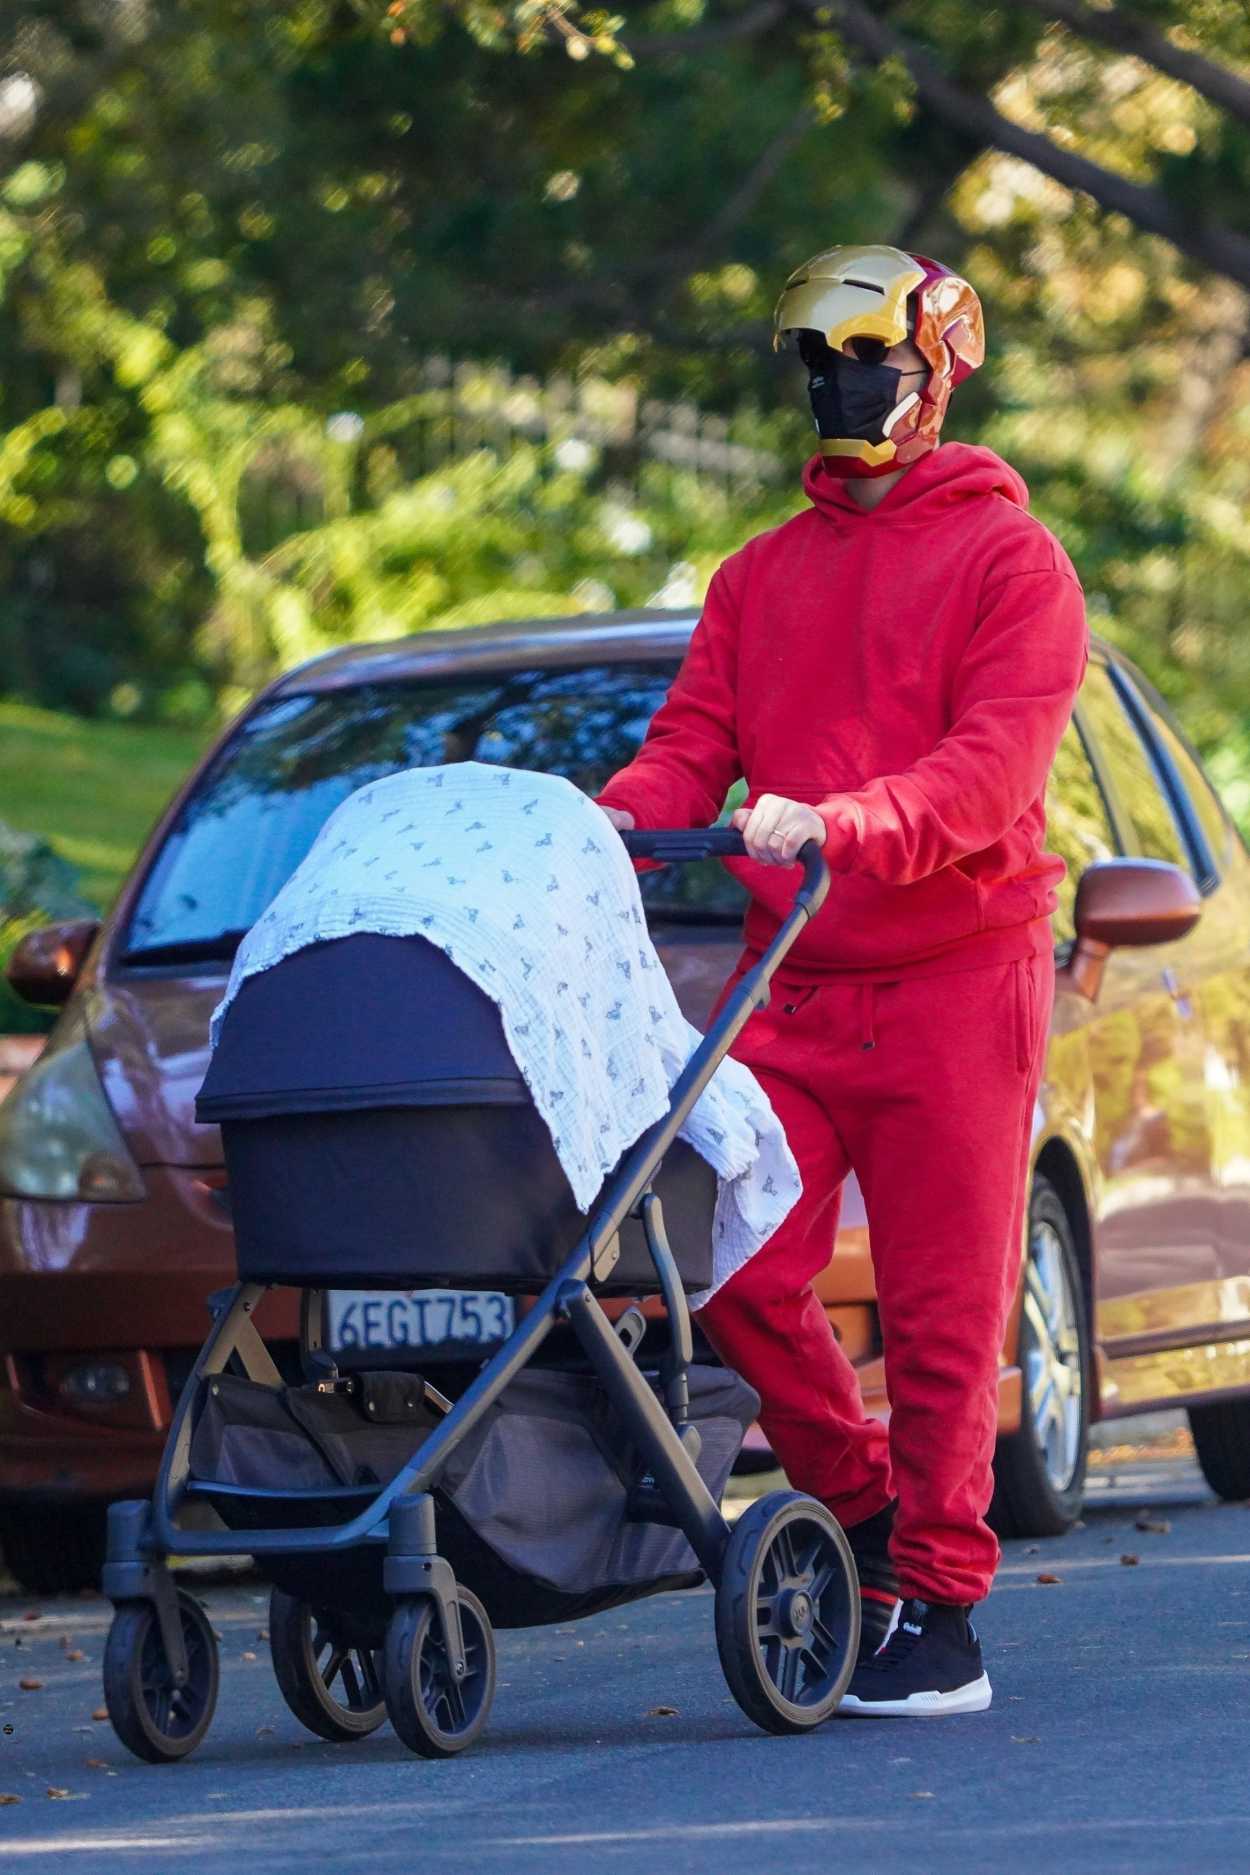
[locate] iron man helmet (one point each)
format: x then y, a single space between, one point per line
883 293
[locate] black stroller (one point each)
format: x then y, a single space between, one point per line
399 1528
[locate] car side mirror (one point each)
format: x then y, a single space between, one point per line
47 963
1128 901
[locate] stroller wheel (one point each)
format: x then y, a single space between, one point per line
787 1612
433 1713
333 1686
153 1717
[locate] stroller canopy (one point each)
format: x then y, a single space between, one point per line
520 883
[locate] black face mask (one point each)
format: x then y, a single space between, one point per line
850 399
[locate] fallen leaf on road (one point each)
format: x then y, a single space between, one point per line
662 1712
248 1654
262 1634
96 1764
30 1686
101 1712
1024 1738
7 1796
1047 1577
1158 1524
75 1653
57 1790
263 1731
1130 1562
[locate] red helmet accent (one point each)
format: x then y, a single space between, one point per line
948 330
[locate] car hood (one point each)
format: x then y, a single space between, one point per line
149 1039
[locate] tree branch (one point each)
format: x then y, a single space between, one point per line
749 190
1123 32
706 38
642 291
1211 245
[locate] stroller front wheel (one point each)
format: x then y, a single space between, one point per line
787 1612
434 1713
309 1656
154 1717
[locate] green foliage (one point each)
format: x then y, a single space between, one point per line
36 884
96 787
232 237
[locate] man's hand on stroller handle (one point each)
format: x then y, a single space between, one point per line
775 830
681 845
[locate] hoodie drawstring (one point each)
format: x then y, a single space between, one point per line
866 1007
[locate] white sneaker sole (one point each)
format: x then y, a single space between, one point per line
975 1697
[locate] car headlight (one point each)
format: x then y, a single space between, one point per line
58 1137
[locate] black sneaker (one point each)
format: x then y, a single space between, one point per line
878 1580
930 1666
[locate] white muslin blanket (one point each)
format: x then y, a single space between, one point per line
522 882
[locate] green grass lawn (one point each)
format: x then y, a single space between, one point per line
92 789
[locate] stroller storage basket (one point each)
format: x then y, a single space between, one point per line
534 1505
392 1140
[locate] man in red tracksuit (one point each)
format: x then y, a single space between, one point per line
891 671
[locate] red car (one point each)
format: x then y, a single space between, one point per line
1135 1278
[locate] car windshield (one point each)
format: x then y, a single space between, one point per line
260 805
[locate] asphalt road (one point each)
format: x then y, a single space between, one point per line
1119 1739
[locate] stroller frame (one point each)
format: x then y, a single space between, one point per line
144 1535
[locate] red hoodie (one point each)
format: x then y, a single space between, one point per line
908 671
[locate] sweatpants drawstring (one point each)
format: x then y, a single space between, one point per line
866 1003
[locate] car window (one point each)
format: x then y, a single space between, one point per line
1202 796
1135 783
1078 826
259 807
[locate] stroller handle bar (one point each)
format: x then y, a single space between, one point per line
682 844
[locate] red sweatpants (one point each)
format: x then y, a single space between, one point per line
926 1087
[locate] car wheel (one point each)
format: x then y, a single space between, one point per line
1039 1471
53 1551
1222 1441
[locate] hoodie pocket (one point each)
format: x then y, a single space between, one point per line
1024 999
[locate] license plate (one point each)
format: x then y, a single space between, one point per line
451 1319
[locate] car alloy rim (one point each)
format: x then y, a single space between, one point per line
1052 1357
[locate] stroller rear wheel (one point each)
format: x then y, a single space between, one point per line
332 1685
434 1713
787 1612
155 1718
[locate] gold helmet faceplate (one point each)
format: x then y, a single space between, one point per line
870 292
